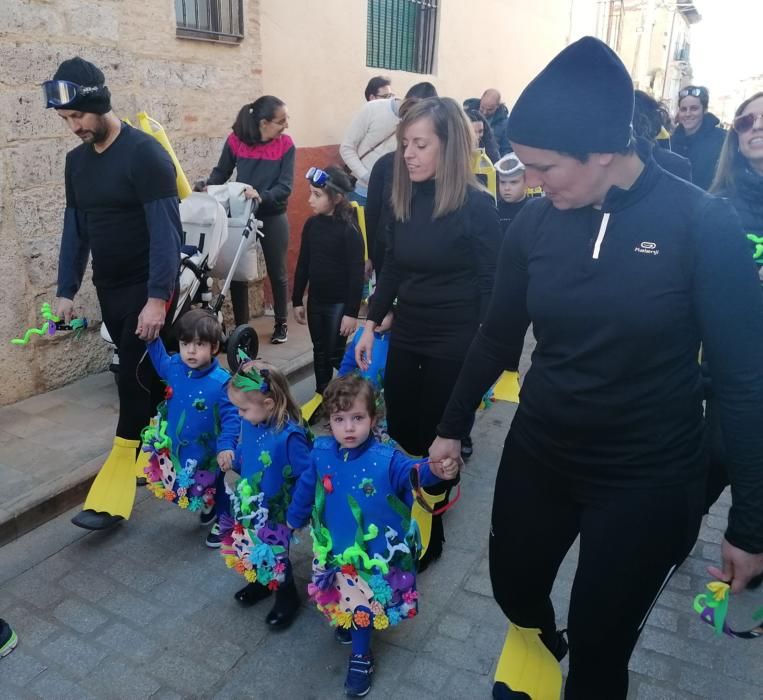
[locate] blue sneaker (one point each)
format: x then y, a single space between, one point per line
343 636
358 681
8 639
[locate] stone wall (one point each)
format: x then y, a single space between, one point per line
194 88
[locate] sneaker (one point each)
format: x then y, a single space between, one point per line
8 639
358 681
214 538
207 517
343 636
279 334
467 448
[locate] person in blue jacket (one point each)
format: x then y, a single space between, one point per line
197 427
365 542
273 456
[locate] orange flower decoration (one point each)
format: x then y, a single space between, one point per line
361 618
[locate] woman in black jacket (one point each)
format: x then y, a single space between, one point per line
698 136
439 265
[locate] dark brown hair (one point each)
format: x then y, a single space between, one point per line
342 392
199 324
247 124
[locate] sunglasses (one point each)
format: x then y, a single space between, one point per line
744 123
693 92
317 177
419 494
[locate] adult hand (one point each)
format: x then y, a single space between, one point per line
251 193
364 347
299 315
737 566
225 459
348 326
151 320
443 449
386 323
64 309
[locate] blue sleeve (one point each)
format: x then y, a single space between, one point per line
224 168
72 256
161 361
729 308
230 422
400 476
164 227
348 361
280 191
303 496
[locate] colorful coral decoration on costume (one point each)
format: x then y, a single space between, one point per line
713 608
193 424
365 542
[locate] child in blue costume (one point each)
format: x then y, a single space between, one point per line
375 371
197 427
273 455
365 542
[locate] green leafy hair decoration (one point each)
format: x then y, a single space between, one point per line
251 378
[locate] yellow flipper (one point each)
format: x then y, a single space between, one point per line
424 519
113 490
507 387
311 407
527 666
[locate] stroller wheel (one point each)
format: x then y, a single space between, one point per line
242 338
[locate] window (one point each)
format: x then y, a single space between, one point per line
402 35
214 20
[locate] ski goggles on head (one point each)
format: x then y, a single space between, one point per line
744 123
317 177
692 92
61 93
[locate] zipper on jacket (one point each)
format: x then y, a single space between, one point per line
600 237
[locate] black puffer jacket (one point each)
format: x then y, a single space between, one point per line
702 148
499 123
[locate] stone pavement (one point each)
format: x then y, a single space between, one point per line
146 611
52 445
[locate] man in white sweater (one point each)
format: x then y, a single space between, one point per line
370 136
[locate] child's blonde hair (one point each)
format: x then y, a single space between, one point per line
269 383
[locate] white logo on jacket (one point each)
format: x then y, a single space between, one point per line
647 248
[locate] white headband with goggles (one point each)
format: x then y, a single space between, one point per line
509 165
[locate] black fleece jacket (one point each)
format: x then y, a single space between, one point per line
614 394
702 148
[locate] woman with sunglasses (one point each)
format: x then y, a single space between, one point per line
740 180
439 265
263 158
698 136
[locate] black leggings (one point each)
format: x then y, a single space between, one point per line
275 245
120 309
631 540
324 321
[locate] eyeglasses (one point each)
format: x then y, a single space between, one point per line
61 93
693 92
317 177
746 122
419 494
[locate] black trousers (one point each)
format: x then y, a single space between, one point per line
631 540
323 322
140 389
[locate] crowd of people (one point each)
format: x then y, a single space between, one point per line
623 268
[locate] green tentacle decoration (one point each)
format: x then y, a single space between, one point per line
322 542
401 509
757 241
42 330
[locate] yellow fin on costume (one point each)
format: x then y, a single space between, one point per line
311 407
424 519
507 387
113 490
527 666
482 165
155 129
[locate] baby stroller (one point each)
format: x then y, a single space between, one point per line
220 233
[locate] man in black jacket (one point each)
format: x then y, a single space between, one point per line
121 207
623 271
497 115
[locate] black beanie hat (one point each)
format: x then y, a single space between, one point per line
581 102
81 72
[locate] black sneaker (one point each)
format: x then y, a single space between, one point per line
207 517
214 538
279 334
8 639
358 681
467 448
343 636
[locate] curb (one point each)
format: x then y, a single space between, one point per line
49 500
